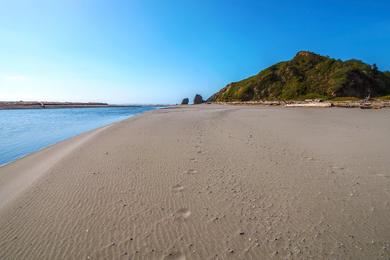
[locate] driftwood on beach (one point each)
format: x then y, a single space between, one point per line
374 104
310 104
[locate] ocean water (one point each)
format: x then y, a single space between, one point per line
23 131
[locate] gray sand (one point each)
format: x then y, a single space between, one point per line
206 182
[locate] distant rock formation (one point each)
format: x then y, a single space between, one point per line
198 99
185 101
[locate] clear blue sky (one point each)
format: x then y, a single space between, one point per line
153 51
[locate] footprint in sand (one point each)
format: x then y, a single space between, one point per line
177 188
183 213
192 171
175 256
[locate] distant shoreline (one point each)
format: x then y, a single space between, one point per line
5 105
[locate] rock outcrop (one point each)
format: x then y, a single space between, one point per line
309 76
198 99
185 101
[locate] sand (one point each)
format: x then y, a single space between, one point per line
206 182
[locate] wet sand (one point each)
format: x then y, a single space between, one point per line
206 182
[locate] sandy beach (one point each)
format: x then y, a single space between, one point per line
206 182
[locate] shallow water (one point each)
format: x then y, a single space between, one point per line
25 131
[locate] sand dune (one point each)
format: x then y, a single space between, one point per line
206 182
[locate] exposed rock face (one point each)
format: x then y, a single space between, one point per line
309 76
198 99
185 101
306 54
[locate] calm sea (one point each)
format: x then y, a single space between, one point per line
25 131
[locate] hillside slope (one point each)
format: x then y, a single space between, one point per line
309 75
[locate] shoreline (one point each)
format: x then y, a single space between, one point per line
14 178
72 137
17 179
59 143
199 181
79 125
44 154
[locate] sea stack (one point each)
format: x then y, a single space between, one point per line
198 99
185 101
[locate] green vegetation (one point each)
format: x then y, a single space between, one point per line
386 98
309 76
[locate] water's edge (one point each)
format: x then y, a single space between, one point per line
71 136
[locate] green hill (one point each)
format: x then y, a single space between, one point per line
309 75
